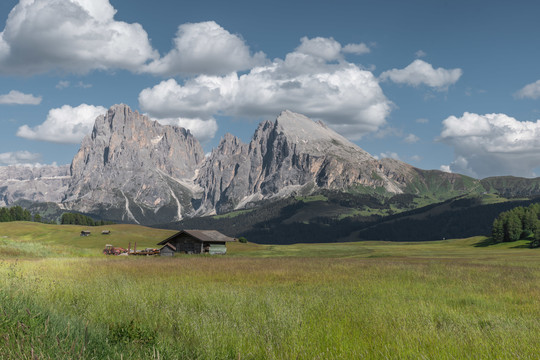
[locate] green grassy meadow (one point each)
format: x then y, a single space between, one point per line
61 299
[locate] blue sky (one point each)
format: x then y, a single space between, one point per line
448 85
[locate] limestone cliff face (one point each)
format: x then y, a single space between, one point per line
291 155
35 183
224 175
133 168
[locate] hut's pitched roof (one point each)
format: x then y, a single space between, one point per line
170 246
202 235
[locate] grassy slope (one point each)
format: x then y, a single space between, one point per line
34 239
446 299
510 186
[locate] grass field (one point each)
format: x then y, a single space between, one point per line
61 299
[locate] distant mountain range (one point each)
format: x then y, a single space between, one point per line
133 169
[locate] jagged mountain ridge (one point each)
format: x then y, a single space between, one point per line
133 169
136 167
290 155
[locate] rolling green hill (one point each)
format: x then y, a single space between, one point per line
511 186
28 239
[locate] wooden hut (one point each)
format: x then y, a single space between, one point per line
195 242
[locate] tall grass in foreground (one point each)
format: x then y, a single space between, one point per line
274 308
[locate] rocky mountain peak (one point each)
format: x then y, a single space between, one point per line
314 137
133 163
229 144
292 154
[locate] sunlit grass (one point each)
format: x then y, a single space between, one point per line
449 299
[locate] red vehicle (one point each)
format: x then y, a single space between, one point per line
112 250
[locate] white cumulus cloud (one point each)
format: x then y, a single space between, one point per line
202 129
492 144
19 98
445 168
64 125
329 49
70 35
348 98
357 49
411 139
389 155
531 91
420 54
205 48
324 48
19 157
420 72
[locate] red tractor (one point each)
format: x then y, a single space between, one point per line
112 250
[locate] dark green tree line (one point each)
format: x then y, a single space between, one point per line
80 219
518 223
14 213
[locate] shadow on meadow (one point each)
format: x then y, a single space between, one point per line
485 243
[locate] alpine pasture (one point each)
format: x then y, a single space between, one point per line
60 298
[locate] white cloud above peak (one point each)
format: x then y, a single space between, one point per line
15 97
202 129
492 144
420 72
70 36
205 48
19 157
66 125
308 81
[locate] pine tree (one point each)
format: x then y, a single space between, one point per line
529 220
497 232
536 241
27 216
16 213
4 215
513 227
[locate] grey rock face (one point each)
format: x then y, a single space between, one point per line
134 168
290 155
224 175
35 183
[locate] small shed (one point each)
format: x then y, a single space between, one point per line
195 242
167 250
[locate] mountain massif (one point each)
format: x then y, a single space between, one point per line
35 183
133 169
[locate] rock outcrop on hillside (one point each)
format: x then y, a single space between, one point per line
46 183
